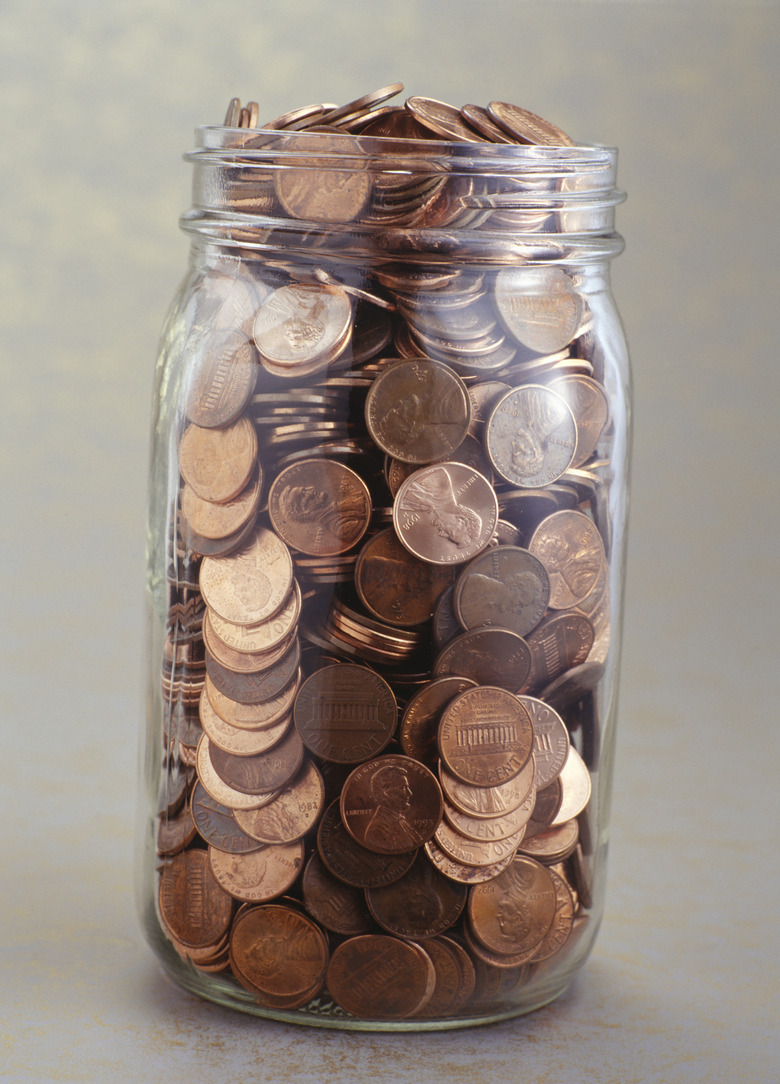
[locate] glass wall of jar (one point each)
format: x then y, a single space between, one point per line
385 558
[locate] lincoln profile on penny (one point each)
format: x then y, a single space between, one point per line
435 498
391 797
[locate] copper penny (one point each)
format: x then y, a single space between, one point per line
489 656
223 382
512 913
252 639
446 513
485 736
221 791
377 976
391 805
337 906
462 872
531 436
313 190
559 644
396 586
218 826
278 951
251 584
319 506
505 586
421 904
256 686
553 845
494 801
252 716
292 813
265 772
551 741
352 863
242 662
419 728
590 406
576 785
219 521
193 905
176 832
345 713
240 741
491 829
418 411
218 463
526 126
302 325
260 875
443 119
569 546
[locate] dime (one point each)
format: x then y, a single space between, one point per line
418 411
421 904
319 506
396 586
569 546
193 905
306 324
223 382
485 736
276 950
391 805
551 741
489 656
218 463
445 513
291 814
512 913
345 713
531 436
338 907
252 584
377 976
527 127
505 586
258 876
352 863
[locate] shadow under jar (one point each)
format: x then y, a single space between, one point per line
386 542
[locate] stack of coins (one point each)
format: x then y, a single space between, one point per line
389 604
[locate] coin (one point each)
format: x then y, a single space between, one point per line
505 586
421 904
193 905
210 519
338 907
553 845
218 463
258 685
590 406
377 976
512 913
462 872
312 190
454 978
345 713
570 547
526 126
418 411
489 656
420 723
260 875
576 784
264 772
551 741
302 324
223 382
255 640
443 119
476 852
218 826
353 863
252 584
396 586
238 740
292 813
319 506
252 716
392 804
275 949
485 736
560 643
491 829
492 801
446 513
531 436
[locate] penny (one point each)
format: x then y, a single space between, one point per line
512 913
445 624
396 586
531 436
493 801
256 686
495 960
220 521
553 845
175 833
352 863
362 104
461 871
269 771
291 814
491 829
485 736
590 407
302 324
217 824
345 713
475 852
242 662
505 586
221 791
526 126
277 950
337 906
489 656
551 741
538 306
193 905
312 190
418 411
201 546
218 463
479 118
576 785
446 513
559 644
266 635
258 876
419 728
391 805
454 984
251 584
377 976
238 740
569 545
421 904
252 716
319 506
562 923
443 119
222 383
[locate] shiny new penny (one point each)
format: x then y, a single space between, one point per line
446 513
527 127
491 829
531 436
219 521
303 324
512 913
292 813
223 382
253 583
277 950
475 852
260 875
252 639
442 119
313 190
505 586
345 713
217 825
218 463
338 907
252 716
352 863
551 740
495 801
421 904
265 772
391 805
489 656
319 506
418 411
485 736
377 976
193 905
419 728
396 586
570 547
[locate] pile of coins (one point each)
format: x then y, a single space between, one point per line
388 601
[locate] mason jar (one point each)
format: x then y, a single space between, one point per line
386 540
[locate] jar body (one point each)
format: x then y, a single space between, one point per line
386 540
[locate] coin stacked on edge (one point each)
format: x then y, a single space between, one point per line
388 596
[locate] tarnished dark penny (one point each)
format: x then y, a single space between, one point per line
218 463
217 824
319 506
352 863
548 802
505 586
569 546
264 772
252 716
559 644
345 713
175 833
193 905
293 813
394 585
223 382
421 904
485 736
219 790
489 656
512 913
259 686
419 728
337 906
277 950
551 741
258 876
418 411
391 805
494 801
378 977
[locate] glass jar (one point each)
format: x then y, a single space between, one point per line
386 541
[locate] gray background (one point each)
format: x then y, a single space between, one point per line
97 104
